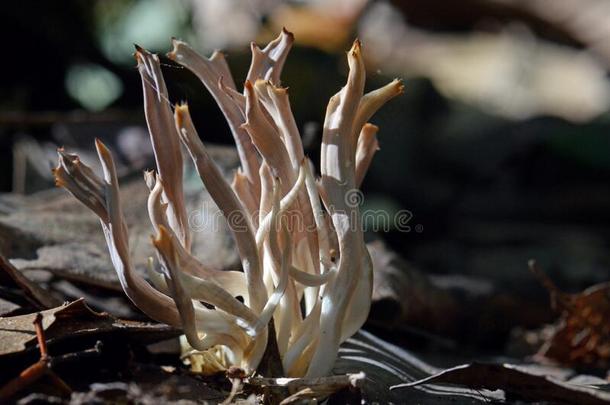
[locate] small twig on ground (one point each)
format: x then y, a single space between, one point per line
236 386
559 299
293 390
43 367
42 342
68 357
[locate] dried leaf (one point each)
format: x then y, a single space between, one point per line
386 365
36 295
17 333
515 380
582 335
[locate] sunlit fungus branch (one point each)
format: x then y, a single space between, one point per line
302 290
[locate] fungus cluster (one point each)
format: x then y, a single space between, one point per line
306 278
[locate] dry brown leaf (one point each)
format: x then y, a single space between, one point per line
582 335
516 380
36 295
17 333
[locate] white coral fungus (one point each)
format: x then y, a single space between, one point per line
306 284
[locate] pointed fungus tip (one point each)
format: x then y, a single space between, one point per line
217 54
162 240
369 128
258 83
181 111
288 33
173 54
62 153
280 91
254 48
182 107
101 147
398 86
355 50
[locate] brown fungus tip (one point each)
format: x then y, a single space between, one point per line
102 149
288 33
180 112
162 240
248 86
173 54
138 53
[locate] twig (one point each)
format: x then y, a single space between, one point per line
42 342
69 357
304 389
236 385
559 299
24 379
43 366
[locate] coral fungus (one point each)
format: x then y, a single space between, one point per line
307 278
